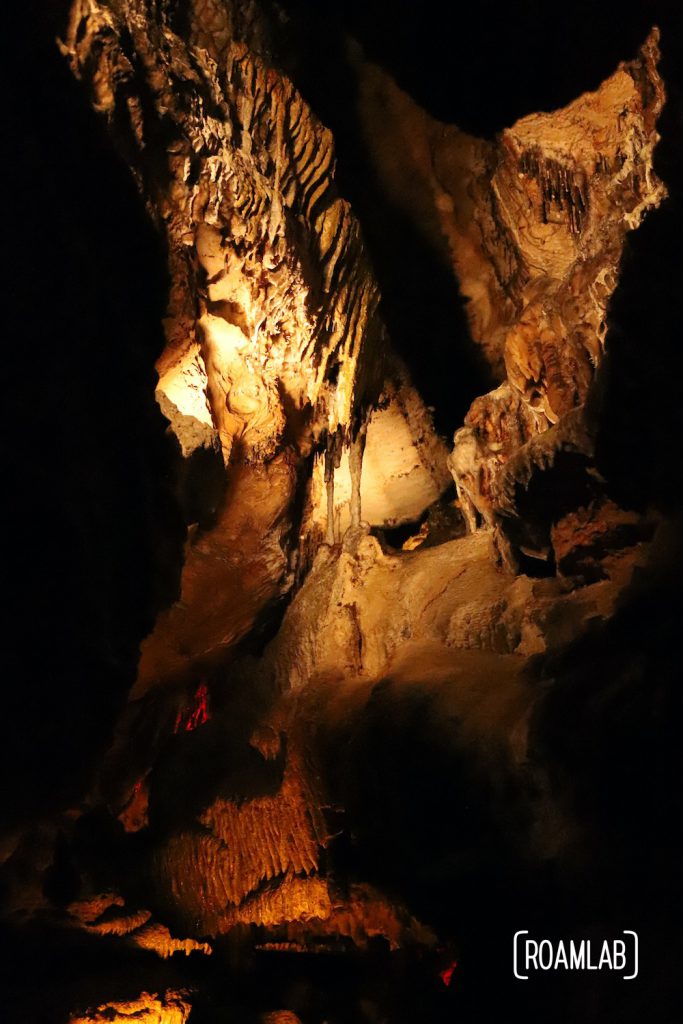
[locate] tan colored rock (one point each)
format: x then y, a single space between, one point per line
273 338
533 224
273 354
358 609
270 286
403 471
231 573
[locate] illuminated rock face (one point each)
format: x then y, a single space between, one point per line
274 350
273 339
232 572
533 225
404 467
242 781
170 1008
341 626
271 296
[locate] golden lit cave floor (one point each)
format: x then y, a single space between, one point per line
281 988
453 638
397 664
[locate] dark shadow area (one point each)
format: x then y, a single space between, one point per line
482 66
438 524
201 483
95 544
421 304
608 735
640 440
94 551
422 307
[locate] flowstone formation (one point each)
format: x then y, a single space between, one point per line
271 296
274 345
533 225
274 380
336 746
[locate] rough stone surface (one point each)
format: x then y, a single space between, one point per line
150 1008
533 225
273 341
328 725
404 467
271 295
341 625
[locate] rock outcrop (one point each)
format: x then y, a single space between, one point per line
377 717
533 225
273 340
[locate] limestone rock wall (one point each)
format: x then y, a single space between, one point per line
271 296
404 466
533 224
273 340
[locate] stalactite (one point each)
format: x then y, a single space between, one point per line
562 187
356 467
329 486
333 454
272 325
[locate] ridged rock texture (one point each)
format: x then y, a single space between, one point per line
275 353
533 225
271 295
274 344
371 721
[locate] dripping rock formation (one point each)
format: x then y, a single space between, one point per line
349 682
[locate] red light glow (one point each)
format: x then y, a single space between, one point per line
447 974
189 719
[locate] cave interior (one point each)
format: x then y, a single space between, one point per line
345 595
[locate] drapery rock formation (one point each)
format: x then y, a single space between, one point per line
372 723
274 345
404 468
271 295
274 352
533 225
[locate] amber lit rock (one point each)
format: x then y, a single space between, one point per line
107 914
340 625
404 467
273 337
254 862
582 539
533 225
170 1008
262 322
231 573
348 685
